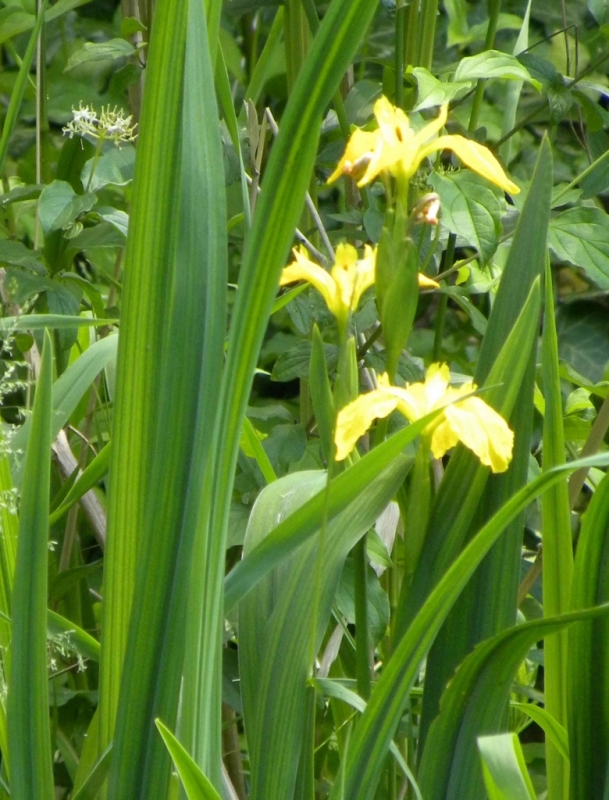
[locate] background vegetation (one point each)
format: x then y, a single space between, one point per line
197 599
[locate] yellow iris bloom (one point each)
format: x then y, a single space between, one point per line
471 420
397 149
348 279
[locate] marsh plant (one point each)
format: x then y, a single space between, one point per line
304 400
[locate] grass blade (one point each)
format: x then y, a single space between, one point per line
196 785
29 729
557 548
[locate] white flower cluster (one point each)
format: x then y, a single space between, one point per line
110 124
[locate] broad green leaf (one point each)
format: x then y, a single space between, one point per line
100 51
374 732
59 205
288 613
557 545
300 526
580 236
470 209
587 691
504 767
29 726
115 167
271 51
185 281
432 92
295 363
17 22
493 64
583 339
286 180
196 785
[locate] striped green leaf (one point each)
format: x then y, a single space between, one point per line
188 378
278 210
29 728
557 547
196 785
283 620
588 691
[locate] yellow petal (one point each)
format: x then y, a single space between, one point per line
443 439
355 418
394 125
433 127
358 153
436 385
427 283
475 156
304 270
483 430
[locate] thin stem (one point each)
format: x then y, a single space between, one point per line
400 42
429 13
412 31
362 647
494 8
582 176
449 258
95 160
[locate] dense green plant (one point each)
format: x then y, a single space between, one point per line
304 399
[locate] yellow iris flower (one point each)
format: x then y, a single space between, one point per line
471 420
397 149
348 279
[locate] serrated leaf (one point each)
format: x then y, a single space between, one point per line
59 205
581 237
102 51
493 64
470 209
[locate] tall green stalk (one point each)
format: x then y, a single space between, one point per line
557 548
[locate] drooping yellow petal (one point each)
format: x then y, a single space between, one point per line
427 283
356 418
477 157
483 430
358 154
304 270
394 125
443 439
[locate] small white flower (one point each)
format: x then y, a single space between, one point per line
111 124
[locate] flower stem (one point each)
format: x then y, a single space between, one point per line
494 8
98 149
429 12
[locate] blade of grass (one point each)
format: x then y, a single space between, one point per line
278 210
557 547
587 689
196 785
188 387
29 728
150 248
505 771
14 106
